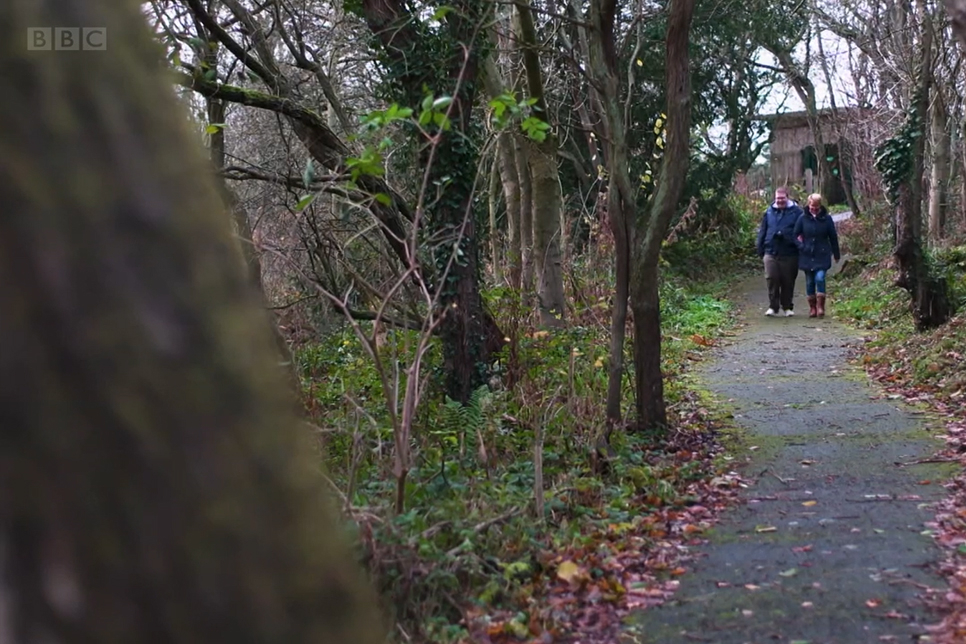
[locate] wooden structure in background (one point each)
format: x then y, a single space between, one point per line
794 159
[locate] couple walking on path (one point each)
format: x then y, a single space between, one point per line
789 240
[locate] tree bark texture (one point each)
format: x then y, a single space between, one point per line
652 228
521 154
545 186
154 482
511 194
493 202
941 161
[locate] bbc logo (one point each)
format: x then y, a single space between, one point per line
66 38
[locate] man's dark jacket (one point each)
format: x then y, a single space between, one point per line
776 232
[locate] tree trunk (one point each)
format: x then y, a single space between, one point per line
493 199
506 154
521 154
956 9
929 293
546 234
545 186
939 181
469 334
602 69
617 217
650 408
645 301
154 483
512 195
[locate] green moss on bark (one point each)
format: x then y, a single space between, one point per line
154 484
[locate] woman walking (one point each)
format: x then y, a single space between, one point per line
817 243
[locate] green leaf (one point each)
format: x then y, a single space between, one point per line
441 13
304 202
442 101
383 198
214 128
441 121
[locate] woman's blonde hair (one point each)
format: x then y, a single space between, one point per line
814 197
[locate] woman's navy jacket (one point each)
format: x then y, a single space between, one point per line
817 241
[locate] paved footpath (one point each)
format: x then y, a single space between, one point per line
828 546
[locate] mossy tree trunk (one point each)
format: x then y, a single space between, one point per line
545 186
929 292
446 63
154 483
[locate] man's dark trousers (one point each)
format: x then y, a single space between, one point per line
780 274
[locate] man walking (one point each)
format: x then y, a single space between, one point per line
776 246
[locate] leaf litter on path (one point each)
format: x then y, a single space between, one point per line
583 593
894 369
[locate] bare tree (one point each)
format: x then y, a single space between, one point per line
638 233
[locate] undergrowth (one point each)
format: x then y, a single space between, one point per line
469 541
868 298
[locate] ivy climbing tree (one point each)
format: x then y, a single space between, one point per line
436 60
900 161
